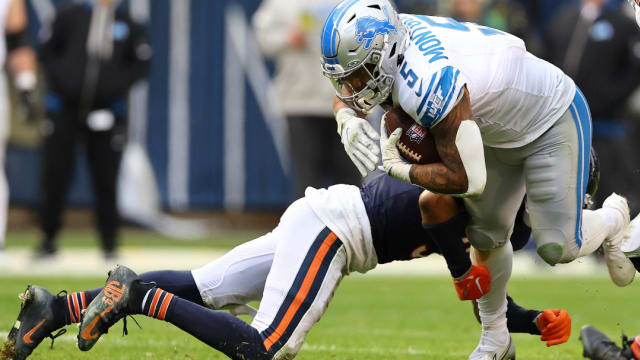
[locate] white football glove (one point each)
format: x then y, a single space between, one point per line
393 163
359 140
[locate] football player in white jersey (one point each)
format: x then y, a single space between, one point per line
503 121
20 58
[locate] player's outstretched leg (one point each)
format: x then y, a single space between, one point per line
126 294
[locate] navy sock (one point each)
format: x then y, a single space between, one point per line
521 320
220 330
447 237
180 283
70 306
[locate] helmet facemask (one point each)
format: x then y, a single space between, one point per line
365 86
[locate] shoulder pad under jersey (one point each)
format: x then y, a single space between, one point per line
428 86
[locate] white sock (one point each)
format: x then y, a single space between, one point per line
493 306
595 229
611 217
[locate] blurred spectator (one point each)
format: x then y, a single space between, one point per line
14 42
92 55
289 31
597 43
505 15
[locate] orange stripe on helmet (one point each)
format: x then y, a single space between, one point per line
84 300
302 293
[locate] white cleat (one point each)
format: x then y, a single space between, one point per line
631 243
620 268
506 352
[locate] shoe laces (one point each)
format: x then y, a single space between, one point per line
58 334
125 331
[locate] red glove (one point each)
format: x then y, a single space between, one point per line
474 285
555 326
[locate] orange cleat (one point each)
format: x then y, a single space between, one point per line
475 284
555 326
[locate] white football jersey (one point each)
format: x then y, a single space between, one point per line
515 96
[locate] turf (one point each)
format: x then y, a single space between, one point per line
370 318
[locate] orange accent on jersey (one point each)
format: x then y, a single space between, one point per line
84 301
73 318
27 336
302 293
152 309
87 332
76 307
165 305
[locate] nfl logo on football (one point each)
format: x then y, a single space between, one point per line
416 133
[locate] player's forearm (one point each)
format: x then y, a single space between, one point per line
438 178
462 171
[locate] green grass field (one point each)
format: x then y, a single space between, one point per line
370 318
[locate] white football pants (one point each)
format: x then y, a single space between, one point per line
294 270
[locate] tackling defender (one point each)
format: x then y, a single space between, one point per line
323 236
502 120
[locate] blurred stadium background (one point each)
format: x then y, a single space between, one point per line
208 167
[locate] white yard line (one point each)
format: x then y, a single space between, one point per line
89 262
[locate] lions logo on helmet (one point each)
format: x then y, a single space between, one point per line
362 39
368 28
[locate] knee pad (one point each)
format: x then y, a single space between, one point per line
484 240
552 246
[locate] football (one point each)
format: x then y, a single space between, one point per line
416 144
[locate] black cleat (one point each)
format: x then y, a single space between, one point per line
111 305
36 321
597 346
